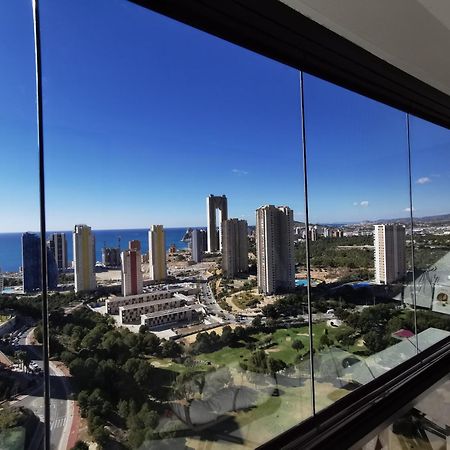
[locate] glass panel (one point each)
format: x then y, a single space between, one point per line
21 384
430 153
360 229
151 128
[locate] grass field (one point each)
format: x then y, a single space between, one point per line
271 414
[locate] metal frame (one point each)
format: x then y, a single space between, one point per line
40 145
275 30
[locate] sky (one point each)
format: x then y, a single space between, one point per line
144 117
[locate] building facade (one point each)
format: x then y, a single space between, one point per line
183 313
390 253
131 314
84 258
31 264
198 241
132 282
213 203
58 246
275 249
235 247
111 257
157 253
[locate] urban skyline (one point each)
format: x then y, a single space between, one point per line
233 135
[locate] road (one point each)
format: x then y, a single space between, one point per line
61 407
208 300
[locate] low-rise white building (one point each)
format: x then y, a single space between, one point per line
159 318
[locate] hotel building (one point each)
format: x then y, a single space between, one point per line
275 249
58 246
84 257
390 254
235 247
198 240
213 203
157 253
31 264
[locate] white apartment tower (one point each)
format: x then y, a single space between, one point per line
84 257
390 258
157 253
235 247
275 248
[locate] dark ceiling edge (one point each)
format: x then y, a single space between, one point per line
272 29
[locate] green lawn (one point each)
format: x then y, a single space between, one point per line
282 338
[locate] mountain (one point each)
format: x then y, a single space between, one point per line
438 219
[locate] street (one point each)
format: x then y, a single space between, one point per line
61 407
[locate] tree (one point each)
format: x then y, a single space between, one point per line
80 445
345 336
374 341
325 341
24 358
257 322
227 335
298 345
275 365
171 349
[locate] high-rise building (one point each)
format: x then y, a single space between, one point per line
214 203
275 249
111 257
1 281
235 247
58 246
390 253
198 241
135 244
157 253
131 272
31 264
84 258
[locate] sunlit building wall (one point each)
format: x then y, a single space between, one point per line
157 253
275 249
390 254
131 272
84 258
235 247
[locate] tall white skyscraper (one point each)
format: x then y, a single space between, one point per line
131 270
84 257
235 247
390 254
275 248
157 253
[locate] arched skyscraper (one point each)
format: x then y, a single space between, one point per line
214 202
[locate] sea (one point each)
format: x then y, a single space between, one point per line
11 245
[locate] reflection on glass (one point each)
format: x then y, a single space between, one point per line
431 180
359 232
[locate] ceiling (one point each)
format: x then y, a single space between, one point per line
412 35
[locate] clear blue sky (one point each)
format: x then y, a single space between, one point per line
144 117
